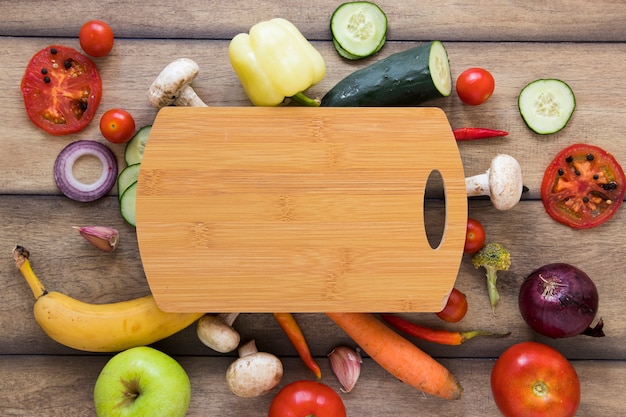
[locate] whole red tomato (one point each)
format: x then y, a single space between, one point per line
475 236
117 125
307 398
96 38
455 308
475 85
531 379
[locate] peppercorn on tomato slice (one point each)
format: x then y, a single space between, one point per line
61 89
583 186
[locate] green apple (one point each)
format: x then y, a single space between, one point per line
142 382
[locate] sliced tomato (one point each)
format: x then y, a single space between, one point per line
61 89
583 186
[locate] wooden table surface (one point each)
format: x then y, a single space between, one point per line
580 42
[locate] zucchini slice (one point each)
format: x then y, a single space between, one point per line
135 147
127 177
546 105
128 204
359 29
405 78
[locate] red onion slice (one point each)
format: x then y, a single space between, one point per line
64 171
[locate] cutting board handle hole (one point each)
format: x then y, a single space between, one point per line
434 209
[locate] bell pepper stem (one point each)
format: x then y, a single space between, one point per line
302 99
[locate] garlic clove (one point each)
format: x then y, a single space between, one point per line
102 237
345 363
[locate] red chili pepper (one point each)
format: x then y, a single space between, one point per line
473 133
443 337
289 325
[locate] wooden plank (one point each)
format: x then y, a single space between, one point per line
31 384
598 119
72 266
472 20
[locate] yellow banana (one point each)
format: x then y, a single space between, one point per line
99 327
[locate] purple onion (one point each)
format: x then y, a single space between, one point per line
67 182
559 300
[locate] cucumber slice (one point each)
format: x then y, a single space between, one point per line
546 105
135 147
347 55
359 28
128 204
127 177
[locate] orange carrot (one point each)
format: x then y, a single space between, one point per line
289 325
398 356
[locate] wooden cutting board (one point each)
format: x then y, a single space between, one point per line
298 209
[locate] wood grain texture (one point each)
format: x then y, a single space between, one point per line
298 209
581 42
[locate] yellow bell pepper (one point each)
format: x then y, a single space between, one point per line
275 61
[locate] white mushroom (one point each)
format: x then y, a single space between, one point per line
217 332
502 182
173 85
254 373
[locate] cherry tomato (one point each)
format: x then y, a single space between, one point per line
455 308
475 236
583 186
96 38
61 90
307 398
117 125
531 379
475 85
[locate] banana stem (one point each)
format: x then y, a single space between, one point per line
20 256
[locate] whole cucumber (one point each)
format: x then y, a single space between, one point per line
405 78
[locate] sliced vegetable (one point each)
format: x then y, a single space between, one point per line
127 177
96 38
64 170
474 133
61 89
559 300
128 204
546 105
441 336
289 325
345 363
117 125
583 186
410 77
275 61
359 29
475 85
533 379
493 257
456 307
134 149
397 355
502 182
307 399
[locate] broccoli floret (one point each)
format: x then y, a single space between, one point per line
493 257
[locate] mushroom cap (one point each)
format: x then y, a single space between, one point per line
175 77
254 375
505 182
